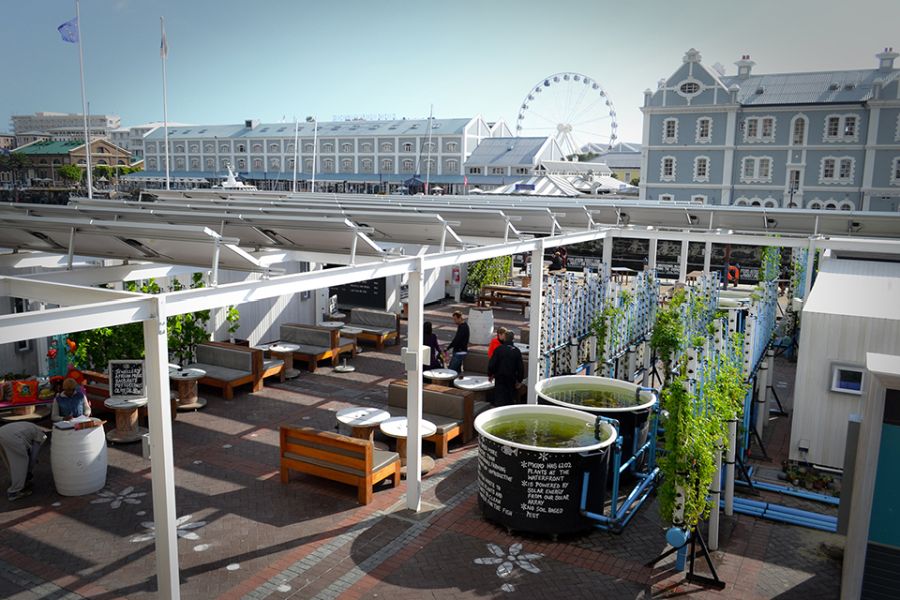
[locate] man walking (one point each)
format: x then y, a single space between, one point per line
19 446
506 369
459 345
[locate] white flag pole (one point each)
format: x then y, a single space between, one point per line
163 54
87 136
296 153
428 160
312 187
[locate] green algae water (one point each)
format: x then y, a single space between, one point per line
545 431
579 394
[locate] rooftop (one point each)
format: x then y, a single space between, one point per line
823 87
50 147
326 129
507 151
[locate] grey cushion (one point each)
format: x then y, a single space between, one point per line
309 349
225 357
380 459
272 363
375 330
221 373
443 423
481 406
298 334
369 317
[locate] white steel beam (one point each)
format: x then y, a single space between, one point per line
56 321
683 261
162 455
413 360
61 294
536 306
100 275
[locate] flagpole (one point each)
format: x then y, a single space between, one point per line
312 187
87 137
163 55
428 160
296 154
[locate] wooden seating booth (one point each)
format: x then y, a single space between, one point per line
338 458
316 343
377 326
229 366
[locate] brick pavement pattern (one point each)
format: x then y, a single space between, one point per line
243 534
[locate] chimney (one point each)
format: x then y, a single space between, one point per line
745 65
886 59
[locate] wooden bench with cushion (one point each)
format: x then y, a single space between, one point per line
270 366
228 366
316 343
376 326
452 410
338 458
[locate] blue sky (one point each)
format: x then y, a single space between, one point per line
230 60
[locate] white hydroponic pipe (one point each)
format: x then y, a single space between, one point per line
715 492
762 389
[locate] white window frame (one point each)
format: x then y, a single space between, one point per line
328 165
257 164
662 168
275 147
756 176
387 164
366 164
452 164
345 147
209 148
758 122
452 146
742 201
327 147
666 138
257 147
698 199
151 163
498 171
842 124
697 176
387 147
836 179
770 202
830 205
408 164
895 171
365 147
195 163
275 164
836 369
708 138
814 204
241 164
308 147
407 147
689 95
210 163
347 164
666 198
846 205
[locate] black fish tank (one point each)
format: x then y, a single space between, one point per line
626 402
532 462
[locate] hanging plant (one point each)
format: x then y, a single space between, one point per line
668 332
233 318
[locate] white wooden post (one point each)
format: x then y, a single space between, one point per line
607 255
729 467
715 491
683 262
707 257
762 388
536 307
651 253
162 465
413 360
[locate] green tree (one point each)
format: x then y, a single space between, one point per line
15 163
635 181
72 173
103 171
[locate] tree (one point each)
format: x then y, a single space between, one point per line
635 181
103 171
15 163
71 173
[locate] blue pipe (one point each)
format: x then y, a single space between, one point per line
629 506
792 491
784 514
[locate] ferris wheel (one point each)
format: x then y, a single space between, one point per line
572 108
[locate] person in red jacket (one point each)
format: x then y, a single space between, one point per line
501 331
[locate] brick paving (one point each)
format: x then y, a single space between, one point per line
245 535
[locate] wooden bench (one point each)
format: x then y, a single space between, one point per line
228 366
504 302
271 367
338 458
377 326
316 343
452 410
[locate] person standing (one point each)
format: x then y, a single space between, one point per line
498 339
459 345
506 369
19 446
430 340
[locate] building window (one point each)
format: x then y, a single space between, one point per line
366 147
667 169
328 147
845 205
257 147
407 165
798 131
689 88
241 148
895 171
195 148
846 379
274 164
387 147
704 130
701 169
498 171
770 203
290 148
740 201
257 163
210 163
178 148
670 131
815 204
367 165
698 199
347 164
290 163
151 163
387 164
452 146
242 164
837 169
195 163
841 128
452 165
759 129
274 148
666 198
407 147
328 165
756 169
224 148
208 148
307 147
346 147
428 146
308 164
474 170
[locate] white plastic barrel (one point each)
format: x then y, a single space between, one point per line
481 325
78 460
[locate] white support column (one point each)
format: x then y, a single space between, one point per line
40 348
607 254
715 491
729 467
648 368
651 253
707 257
162 467
413 360
762 388
810 262
536 307
683 262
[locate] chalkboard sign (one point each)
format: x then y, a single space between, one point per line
126 379
369 294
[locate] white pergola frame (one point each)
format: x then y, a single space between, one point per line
82 308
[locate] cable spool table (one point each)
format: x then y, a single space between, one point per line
398 427
127 429
187 379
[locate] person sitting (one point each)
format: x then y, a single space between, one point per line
501 332
430 339
70 402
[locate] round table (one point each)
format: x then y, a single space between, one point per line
398 427
127 429
352 332
284 351
474 383
362 420
186 379
332 324
440 375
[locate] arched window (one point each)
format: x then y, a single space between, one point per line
798 131
740 201
328 147
367 165
274 164
307 164
210 163
178 148
208 148
242 164
845 205
274 147
195 148
346 147
257 147
387 147
452 146
307 147
452 165
257 163
407 147
290 163
347 164
102 161
408 164
815 204
387 164
770 203
831 205
328 165
366 147
195 163
224 148
179 163
242 148
151 163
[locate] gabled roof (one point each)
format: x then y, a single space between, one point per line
49 147
824 87
630 160
326 129
508 151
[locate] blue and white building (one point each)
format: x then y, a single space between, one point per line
826 140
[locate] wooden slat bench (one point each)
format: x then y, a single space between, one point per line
504 302
228 366
316 343
338 458
378 326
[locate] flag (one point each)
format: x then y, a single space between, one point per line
465 180
163 45
69 31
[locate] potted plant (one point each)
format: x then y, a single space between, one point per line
233 320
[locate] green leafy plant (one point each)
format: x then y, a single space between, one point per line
233 318
490 271
668 331
770 264
189 329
